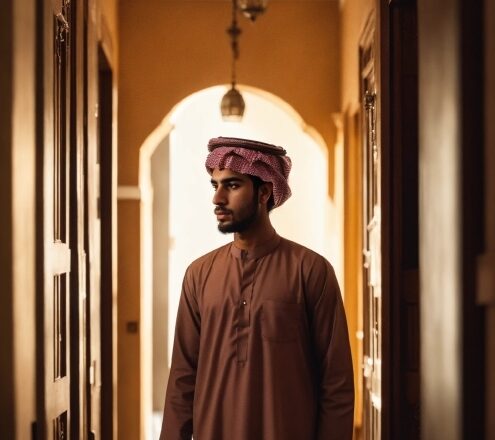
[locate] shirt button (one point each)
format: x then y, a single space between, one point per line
244 302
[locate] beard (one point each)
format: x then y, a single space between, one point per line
242 223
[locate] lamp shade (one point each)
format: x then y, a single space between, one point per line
232 105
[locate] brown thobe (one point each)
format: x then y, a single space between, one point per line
261 349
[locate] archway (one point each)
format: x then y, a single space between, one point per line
177 221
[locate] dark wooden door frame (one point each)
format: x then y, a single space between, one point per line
396 133
107 219
400 247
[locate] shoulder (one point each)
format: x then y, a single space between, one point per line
318 275
203 264
316 271
199 270
307 257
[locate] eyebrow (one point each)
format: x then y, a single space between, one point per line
227 180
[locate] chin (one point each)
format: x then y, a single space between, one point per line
226 229
229 227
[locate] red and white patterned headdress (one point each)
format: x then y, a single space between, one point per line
268 162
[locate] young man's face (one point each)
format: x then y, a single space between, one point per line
235 200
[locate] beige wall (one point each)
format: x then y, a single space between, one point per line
179 47
109 11
129 405
108 29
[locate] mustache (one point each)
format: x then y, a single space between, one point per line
219 210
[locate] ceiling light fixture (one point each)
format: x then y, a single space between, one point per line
252 8
232 105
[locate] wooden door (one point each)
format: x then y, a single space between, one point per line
63 262
372 298
54 305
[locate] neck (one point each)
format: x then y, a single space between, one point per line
260 232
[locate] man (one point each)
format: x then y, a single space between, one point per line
261 347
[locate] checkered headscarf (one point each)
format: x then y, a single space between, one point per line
244 156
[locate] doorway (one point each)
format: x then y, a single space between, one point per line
178 224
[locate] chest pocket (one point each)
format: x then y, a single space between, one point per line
280 322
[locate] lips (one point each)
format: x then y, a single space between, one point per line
218 211
221 213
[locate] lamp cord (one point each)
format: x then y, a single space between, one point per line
234 32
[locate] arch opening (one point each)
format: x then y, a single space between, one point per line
176 196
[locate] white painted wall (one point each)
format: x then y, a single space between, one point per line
309 217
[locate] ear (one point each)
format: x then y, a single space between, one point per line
265 192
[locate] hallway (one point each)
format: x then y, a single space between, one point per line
387 110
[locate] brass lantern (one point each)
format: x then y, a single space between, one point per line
232 105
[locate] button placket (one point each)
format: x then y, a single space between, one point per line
244 307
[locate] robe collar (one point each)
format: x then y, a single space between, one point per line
259 251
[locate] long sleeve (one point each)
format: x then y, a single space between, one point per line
178 412
333 355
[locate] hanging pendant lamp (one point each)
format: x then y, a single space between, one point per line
232 105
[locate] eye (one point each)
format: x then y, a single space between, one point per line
233 185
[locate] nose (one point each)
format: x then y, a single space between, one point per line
219 197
